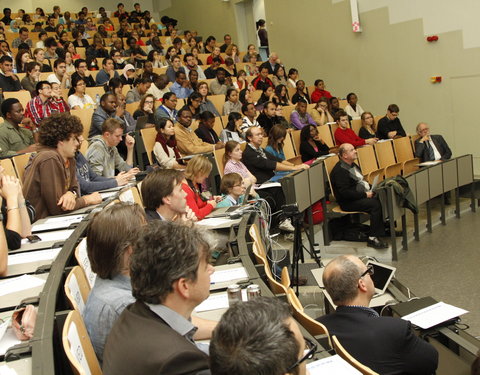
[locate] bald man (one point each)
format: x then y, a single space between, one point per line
387 345
430 147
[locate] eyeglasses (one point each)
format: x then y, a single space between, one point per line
370 271
148 101
310 348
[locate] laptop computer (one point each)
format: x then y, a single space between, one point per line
382 275
222 211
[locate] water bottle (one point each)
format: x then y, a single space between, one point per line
97 99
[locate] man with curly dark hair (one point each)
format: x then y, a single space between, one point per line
50 180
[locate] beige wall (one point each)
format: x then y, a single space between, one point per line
208 17
386 63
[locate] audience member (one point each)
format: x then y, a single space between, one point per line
174 68
90 181
334 106
430 147
141 88
221 83
232 161
164 197
344 134
281 93
211 71
227 40
390 127
167 109
110 235
353 109
262 79
272 63
210 44
233 189
39 56
82 71
251 51
206 104
369 128
249 119
60 74
299 116
320 91
15 139
205 129
232 104
267 118
78 99
170 276
386 345
193 104
187 141
145 108
22 38
32 77
197 171
159 86
21 60
311 145
181 86
42 106
215 53
50 180
268 95
107 72
276 139
8 80
165 149
102 154
259 337
292 78
301 93
353 193
107 109
233 129
232 53
128 75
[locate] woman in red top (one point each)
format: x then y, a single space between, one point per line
198 169
215 53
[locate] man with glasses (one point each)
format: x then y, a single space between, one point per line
387 345
390 127
50 181
43 105
259 337
430 147
167 109
81 70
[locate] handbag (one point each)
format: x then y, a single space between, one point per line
23 322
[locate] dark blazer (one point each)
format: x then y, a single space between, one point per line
152 215
386 345
308 152
385 125
262 169
422 152
207 135
345 187
140 342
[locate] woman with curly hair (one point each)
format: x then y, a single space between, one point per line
50 180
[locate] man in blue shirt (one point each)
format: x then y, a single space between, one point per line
181 87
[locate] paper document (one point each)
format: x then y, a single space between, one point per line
76 348
228 275
57 223
108 194
384 140
217 301
429 163
267 185
33 256
325 156
3 327
435 314
17 284
214 222
59 235
8 340
332 365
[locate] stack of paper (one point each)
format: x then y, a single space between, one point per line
332 365
435 314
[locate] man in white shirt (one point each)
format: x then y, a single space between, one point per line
249 119
60 74
159 86
191 64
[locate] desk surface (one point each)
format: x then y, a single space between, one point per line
13 299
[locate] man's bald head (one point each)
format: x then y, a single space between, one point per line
340 278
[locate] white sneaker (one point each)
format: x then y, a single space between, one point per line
286 226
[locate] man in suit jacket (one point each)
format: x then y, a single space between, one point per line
430 147
170 276
387 345
164 198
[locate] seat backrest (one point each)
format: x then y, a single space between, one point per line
329 163
340 350
94 91
77 289
287 111
385 155
148 137
219 160
82 259
367 159
20 162
403 149
393 170
23 96
311 325
296 141
218 101
275 286
7 165
325 134
356 125
132 107
285 278
288 148
218 125
85 116
78 347
410 166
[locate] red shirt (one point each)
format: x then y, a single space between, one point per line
348 136
210 60
196 203
37 111
318 94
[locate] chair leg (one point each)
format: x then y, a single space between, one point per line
404 232
457 202
429 217
416 227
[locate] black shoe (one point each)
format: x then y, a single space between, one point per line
377 244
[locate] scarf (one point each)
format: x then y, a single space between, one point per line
172 143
